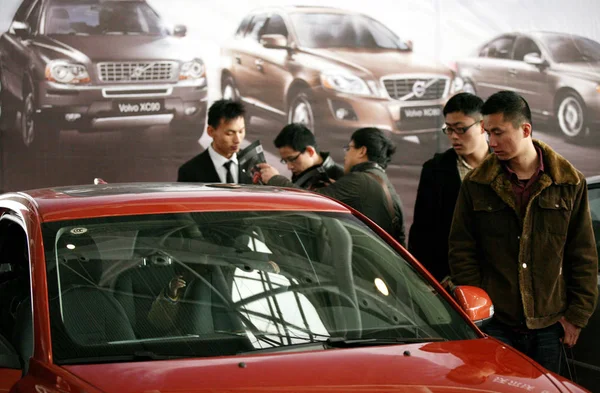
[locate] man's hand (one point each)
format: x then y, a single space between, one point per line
267 172
571 332
175 287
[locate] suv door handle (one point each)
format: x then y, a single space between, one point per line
238 59
259 64
512 71
478 66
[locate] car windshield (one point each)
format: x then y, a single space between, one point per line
250 281
571 49
95 17
332 30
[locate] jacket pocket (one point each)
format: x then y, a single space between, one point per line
493 217
553 215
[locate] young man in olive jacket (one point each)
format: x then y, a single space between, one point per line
440 182
522 231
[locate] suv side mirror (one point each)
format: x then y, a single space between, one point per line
20 29
534 59
274 41
475 302
179 31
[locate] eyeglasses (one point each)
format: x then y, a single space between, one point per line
291 160
348 147
457 130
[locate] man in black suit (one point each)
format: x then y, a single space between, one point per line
218 163
441 179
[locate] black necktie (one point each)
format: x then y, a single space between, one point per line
229 176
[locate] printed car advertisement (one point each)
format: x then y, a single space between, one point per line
119 90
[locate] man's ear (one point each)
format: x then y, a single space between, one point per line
210 131
311 151
526 129
362 152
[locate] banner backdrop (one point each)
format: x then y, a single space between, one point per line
114 90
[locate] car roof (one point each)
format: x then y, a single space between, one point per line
593 180
305 9
87 201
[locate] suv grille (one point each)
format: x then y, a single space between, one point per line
416 89
148 71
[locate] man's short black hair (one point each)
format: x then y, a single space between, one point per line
513 107
224 109
297 136
379 147
467 103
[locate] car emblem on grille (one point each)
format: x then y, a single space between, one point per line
139 71
419 89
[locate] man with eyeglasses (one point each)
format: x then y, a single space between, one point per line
441 179
365 185
310 168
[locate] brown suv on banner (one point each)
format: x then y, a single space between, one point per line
333 70
97 65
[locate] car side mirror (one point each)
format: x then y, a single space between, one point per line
475 302
20 29
179 31
410 45
534 59
274 41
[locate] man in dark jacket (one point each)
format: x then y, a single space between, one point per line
440 182
522 231
365 186
310 168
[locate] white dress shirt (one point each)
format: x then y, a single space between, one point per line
218 161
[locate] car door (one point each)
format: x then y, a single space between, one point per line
491 66
529 80
272 70
16 321
583 361
245 57
14 51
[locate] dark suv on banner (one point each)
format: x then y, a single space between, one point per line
97 65
332 69
558 74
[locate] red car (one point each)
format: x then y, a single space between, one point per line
218 288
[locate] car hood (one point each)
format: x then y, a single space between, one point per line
96 48
379 63
483 365
590 71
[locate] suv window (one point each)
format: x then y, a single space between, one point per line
525 46
100 17
34 16
500 48
22 10
243 26
275 25
256 25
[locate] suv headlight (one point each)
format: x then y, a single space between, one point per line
62 71
345 83
192 70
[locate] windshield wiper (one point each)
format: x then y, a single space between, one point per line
341 342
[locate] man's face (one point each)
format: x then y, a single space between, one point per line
298 162
506 139
352 157
467 143
228 137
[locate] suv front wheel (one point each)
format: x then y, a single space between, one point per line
35 132
301 111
